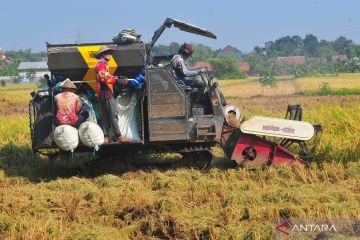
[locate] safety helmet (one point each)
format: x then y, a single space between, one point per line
186 49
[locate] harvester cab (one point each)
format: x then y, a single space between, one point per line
161 117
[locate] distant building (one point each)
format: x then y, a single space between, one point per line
32 71
315 60
204 65
230 51
289 59
244 66
292 60
339 58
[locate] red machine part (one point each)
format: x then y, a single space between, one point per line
252 151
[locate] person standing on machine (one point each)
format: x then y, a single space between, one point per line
105 92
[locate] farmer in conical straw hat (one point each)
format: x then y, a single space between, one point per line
68 106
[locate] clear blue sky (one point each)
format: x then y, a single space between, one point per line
243 24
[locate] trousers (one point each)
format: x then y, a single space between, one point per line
110 117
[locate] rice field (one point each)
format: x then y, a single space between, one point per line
244 88
118 199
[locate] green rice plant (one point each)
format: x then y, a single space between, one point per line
14 129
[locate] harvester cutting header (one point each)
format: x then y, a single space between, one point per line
155 105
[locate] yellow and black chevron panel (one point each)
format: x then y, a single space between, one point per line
77 62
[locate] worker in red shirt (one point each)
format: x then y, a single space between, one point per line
104 83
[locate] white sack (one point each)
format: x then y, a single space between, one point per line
129 116
66 137
91 135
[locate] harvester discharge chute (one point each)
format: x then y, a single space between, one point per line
166 118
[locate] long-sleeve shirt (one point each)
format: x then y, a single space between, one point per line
104 80
181 69
67 108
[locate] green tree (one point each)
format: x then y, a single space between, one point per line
353 64
256 61
25 55
324 88
267 78
341 44
285 46
326 49
336 67
9 70
174 48
171 49
352 50
311 45
226 68
201 53
302 70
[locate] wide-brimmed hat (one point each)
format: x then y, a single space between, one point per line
102 51
67 84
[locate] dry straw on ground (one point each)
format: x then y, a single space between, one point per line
111 199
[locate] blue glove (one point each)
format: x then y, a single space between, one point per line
138 82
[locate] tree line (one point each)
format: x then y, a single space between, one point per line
26 55
259 58
224 67
319 53
309 46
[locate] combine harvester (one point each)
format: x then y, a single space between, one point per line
164 119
